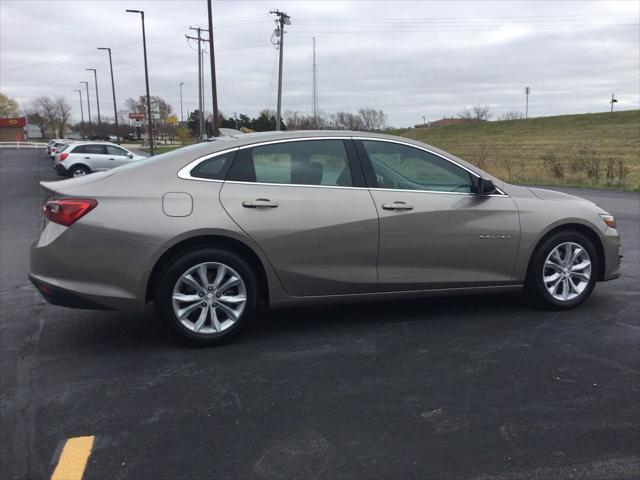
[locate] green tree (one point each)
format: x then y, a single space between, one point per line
8 106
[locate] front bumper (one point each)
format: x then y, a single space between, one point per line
612 254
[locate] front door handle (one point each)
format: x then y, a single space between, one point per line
398 206
260 203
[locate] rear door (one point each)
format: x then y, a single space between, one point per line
305 203
95 155
434 231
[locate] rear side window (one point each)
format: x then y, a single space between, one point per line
308 162
214 168
93 149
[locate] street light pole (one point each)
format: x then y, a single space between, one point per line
146 78
95 76
81 113
86 84
113 90
181 111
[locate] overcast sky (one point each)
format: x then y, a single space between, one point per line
407 58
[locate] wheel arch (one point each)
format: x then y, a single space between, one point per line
585 230
228 243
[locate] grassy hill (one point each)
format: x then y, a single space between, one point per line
594 149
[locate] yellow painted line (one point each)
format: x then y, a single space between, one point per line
73 459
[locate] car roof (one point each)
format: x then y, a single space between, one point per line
97 143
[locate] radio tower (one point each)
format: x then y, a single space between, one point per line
315 87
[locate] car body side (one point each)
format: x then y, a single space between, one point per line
120 260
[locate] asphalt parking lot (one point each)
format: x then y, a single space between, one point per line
475 387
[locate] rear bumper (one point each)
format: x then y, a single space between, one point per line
60 169
63 298
80 268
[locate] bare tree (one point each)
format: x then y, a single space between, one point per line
372 119
346 121
512 115
476 113
62 113
33 116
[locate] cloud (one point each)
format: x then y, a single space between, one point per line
407 58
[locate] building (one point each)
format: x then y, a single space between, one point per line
32 132
12 129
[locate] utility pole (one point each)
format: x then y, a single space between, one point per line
81 113
95 76
613 100
315 87
214 90
146 78
527 90
113 91
281 20
201 123
181 112
86 84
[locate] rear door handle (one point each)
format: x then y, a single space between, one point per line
260 203
87 158
398 206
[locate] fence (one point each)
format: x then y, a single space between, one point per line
19 145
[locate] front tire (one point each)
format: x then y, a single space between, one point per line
563 271
208 295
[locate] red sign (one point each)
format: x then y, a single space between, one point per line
13 122
136 116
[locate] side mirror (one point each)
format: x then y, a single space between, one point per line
130 155
485 187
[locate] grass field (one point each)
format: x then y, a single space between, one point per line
595 149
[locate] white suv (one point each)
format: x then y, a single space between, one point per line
81 158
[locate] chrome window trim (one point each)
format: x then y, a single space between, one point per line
185 172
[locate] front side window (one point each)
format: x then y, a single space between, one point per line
308 162
111 150
402 167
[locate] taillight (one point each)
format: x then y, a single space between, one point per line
67 211
63 156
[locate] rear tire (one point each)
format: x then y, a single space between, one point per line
79 171
563 271
208 295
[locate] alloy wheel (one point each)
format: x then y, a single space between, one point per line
209 298
567 271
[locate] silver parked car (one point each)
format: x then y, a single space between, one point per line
212 231
80 158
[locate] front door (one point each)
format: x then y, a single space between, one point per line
305 204
434 231
117 156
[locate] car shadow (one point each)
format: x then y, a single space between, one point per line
125 331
